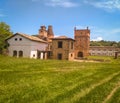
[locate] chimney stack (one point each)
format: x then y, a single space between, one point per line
50 33
42 32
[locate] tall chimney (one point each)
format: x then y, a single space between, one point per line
50 32
42 32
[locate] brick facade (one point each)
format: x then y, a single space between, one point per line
82 41
63 48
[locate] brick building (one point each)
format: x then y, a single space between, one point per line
55 47
63 48
82 42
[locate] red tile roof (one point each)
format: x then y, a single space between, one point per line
33 38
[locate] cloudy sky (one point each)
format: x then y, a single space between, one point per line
101 16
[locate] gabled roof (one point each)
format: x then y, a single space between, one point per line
32 38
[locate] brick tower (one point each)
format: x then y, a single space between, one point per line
82 42
43 33
50 33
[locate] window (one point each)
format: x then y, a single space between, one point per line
71 45
20 39
50 53
15 39
33 55
60 44
20 53
14 53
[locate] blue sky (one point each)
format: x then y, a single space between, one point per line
101 16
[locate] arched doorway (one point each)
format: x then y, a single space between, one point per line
20 53
59 56
80 54
14 53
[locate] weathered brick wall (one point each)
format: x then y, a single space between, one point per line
66 51
82 42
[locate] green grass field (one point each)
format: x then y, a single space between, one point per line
53 81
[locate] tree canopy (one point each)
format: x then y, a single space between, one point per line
5 32
105 43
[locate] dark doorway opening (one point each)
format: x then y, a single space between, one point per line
80 54
20 53
38 54
14 53
59 56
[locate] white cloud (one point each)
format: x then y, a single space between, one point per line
108 31
97 39
61 3
81 27
56 36
108 34
109 5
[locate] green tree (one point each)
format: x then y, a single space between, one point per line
119 44
4 33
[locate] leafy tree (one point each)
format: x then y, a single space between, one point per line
4 33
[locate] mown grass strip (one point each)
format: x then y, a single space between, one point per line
101 92
115 97
112 93
87 90
51 81
82 87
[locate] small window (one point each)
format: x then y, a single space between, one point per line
15 39
20 39
33 55
71 45
71 55
60 44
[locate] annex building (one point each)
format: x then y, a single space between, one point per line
103 50
46 46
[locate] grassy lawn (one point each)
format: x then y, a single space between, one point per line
53 81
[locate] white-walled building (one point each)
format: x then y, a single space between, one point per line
22 45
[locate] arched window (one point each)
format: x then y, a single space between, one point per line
80 54
14 53
20 53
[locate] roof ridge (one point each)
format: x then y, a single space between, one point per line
30 37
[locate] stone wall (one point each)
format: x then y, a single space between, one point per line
103 50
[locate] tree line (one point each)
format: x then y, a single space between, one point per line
105 43
5 32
